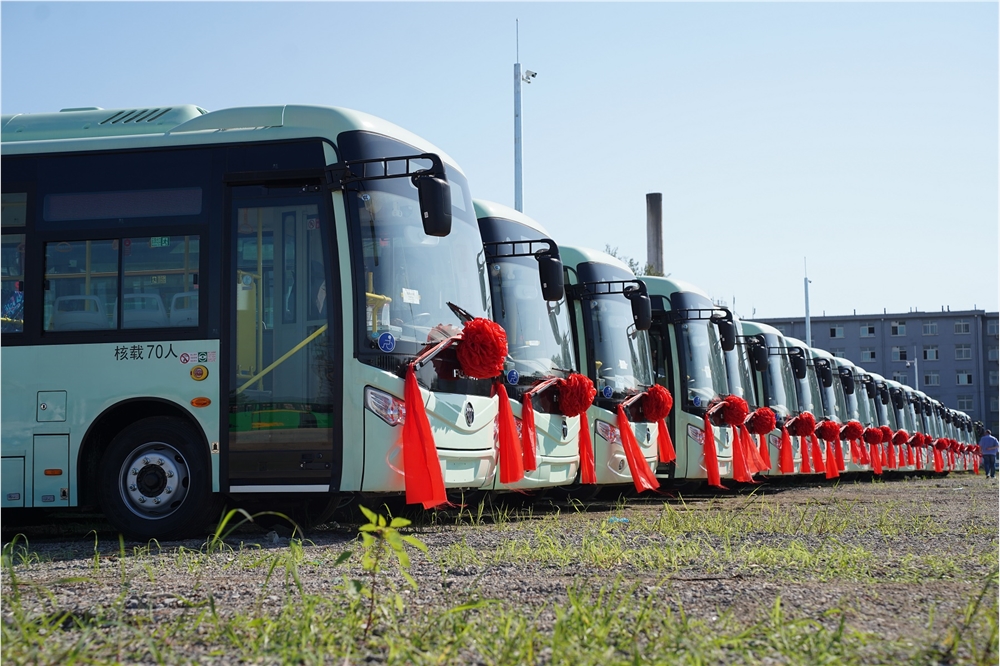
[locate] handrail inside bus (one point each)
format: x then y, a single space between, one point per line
284 357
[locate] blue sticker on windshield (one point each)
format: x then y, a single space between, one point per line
607 391
386 342
513 377
697 401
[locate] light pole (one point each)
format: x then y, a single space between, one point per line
809 342
527 77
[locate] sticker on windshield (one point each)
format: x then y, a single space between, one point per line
513 377
607 392
696 401
411 296
386 342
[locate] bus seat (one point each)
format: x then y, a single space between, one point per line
184 309
143 311
78 313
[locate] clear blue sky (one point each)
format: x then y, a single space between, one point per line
862 137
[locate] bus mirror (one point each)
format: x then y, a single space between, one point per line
870 389
642 311
798 365
847 380
550 273
727 334
883 394
435 204
758 353
826 375
897 399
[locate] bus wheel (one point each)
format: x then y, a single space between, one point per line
154 481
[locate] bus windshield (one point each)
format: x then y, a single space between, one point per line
703 375
620 353
539 339
405 279
780 382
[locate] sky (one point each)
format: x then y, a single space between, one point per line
855 141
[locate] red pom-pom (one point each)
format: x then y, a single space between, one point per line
872 435
852 430
917 439
900 437
483 349
657 403
828 431
886 434
802 425
762 421
576 394
734 410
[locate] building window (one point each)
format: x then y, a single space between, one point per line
963 352
782 329
963 378
897 328
932 379
899 353
838 352
962 327
899 377
992 327
867 329
993 377
995 404
965 402
930 328
867 354
993 354
931 353
836 331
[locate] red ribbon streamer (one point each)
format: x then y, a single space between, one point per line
529 436
511 458
804 456
587 472
711 457
422 471
786 460
817 454
642 476
831 462
667 452
876 458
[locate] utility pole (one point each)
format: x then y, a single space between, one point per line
809 336
528 76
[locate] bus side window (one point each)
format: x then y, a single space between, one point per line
12 279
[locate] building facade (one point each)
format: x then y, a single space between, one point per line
950 356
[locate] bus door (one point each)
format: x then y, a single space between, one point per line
284 411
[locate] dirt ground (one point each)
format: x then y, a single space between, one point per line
900 558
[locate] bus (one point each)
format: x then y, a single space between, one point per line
610 313
526 287
214 305
689 359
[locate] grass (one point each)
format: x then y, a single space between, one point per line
620 591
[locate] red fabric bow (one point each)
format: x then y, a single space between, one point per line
576 395
761 422
656 405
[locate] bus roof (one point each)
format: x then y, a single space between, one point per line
757 327
93 129
492 209
574 256
663 286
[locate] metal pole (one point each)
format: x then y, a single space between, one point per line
518 203
916 369
809 336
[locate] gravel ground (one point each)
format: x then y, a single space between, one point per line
904 561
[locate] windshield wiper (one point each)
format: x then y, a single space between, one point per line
463 315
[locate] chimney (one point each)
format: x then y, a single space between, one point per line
654 232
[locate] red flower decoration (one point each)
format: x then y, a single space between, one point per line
734 410
657 403
802 425
917 439
828 431
852 430
873 435
576 394
900 437
483 349
886 434
762 421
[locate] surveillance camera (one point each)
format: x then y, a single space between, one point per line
530 74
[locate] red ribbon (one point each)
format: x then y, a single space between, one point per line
804 456
511 458
711 457
817 454
786 460
642 476
588 474
831 462
876 457
529 437
421 468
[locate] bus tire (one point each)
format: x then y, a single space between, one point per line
155 481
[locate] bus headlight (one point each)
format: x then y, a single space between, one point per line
697 434
385 406
609 432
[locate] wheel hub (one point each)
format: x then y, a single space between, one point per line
154 480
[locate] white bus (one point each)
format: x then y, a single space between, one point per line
200 305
